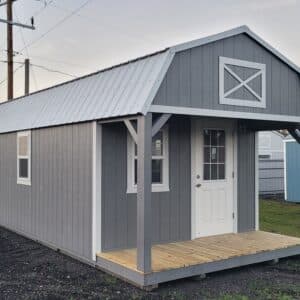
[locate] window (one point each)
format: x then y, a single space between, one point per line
242 83
214 154
24 158
264 156
160 163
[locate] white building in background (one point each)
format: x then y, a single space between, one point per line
271 145
271 163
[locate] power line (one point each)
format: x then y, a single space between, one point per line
96 22
46 4
53 71
44 68
14 72
57 24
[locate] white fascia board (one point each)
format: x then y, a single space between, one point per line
232 32
222 113
210 39
161 75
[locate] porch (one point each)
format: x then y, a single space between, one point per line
200 256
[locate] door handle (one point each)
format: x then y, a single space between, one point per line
198 185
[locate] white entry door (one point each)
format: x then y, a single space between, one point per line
212 182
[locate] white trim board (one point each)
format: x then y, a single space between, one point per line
256 181
284 169
96 190
225 64
230 33
222 113
161 75
24 180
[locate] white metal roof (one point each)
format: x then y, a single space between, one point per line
126 89
123 90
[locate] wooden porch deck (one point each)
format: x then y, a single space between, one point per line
209 251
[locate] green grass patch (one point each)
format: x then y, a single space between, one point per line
280 217
269 291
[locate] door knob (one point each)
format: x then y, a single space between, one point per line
198 185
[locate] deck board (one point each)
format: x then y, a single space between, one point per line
204 250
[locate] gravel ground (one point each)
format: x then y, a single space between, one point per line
31 271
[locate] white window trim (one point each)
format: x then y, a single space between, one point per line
21 180
223 61
156 187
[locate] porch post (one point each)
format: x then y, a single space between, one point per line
144 181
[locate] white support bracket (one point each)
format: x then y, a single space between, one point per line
131 130
160 122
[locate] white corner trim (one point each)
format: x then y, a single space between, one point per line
222 113
193 137
96 189
224 97
256 182
284 169
235 179
160 77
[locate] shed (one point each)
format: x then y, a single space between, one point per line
292 170
271 163
149 169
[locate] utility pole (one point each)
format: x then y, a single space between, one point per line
27 75
10 50
10 63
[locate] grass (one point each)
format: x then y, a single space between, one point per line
280 217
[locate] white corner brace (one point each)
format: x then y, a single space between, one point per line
160 122
131 130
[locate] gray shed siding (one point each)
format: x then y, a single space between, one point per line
246 181
171 211
57 207
193 78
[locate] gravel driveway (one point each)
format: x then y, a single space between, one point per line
31 271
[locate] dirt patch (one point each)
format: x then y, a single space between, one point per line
29 270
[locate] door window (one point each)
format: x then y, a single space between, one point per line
214 154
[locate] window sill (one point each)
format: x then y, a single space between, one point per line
24 182
156 188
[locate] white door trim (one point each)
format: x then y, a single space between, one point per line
256 182
193 183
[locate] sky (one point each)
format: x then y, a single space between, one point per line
77 37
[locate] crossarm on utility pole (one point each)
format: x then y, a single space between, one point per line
17 24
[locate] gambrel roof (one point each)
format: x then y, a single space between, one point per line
125 89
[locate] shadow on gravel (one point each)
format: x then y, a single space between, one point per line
29 270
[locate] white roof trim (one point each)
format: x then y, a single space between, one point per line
178 110
160 78
230 33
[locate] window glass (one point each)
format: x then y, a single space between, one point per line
206 172
156 171
157 144
23 145
158 159
23 168
214 154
